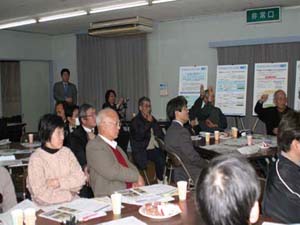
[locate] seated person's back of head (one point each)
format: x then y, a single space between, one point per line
282 193
227 192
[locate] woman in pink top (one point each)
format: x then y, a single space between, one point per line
54 174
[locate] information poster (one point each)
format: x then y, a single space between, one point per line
297 88
268 78
190 79
231 89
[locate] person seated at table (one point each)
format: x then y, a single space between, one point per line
71 114
203 112
178 139
144 128
227 192
54 174
79 139
282 193
60 110
110 102
110 169
7 191
271 116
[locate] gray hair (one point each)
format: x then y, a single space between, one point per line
103 114
83 109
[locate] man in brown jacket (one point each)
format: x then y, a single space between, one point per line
110 169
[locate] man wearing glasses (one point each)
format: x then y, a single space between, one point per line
79 139
144 129
110 169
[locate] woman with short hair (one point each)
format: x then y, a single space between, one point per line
54 174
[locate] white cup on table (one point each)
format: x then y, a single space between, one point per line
249 140
29 216
17 216
207 137
234 132
30 138
182 188
217 135
116 200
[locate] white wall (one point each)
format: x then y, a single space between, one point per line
64 56
185 42
24 46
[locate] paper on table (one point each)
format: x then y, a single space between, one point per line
6 217
125 221
247 150
5 141
7 158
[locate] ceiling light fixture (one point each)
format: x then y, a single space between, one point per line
162 1
17 23
119 6
63 15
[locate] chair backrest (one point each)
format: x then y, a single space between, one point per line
175 159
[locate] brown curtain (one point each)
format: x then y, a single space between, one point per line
265 53
10 88
118 63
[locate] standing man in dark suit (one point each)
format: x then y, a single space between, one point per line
79 139
179 140
144 128
65 90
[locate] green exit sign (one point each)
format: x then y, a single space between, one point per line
263 15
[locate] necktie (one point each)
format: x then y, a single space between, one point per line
65 90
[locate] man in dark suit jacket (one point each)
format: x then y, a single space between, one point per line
65 90
179 139
79 139
144 128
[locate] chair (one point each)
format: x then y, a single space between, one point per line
175 160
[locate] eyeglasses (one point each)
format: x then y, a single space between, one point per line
117 124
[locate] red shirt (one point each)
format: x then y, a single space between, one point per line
122 162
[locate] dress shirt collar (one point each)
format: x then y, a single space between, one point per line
112 144
177 121
88 130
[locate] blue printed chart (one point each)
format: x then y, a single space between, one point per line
190 79
231 89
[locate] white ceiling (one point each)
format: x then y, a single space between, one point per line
13 9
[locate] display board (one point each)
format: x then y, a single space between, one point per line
268 78
231 89
297 88
190 79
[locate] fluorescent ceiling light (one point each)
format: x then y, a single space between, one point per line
63 16
162 1
17 23
119 6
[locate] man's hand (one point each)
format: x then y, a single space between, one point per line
275 130
53 183
211 94
264 98
210 124
202 92
139 183
69 100
87 175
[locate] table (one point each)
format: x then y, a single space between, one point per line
189 215
209 154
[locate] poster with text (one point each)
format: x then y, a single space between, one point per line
190 79
231 89
268 78
297 88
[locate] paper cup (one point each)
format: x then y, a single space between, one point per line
182 188
17 216
207 137
30 138
234 132
30 217
116 203
217 135
249 140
